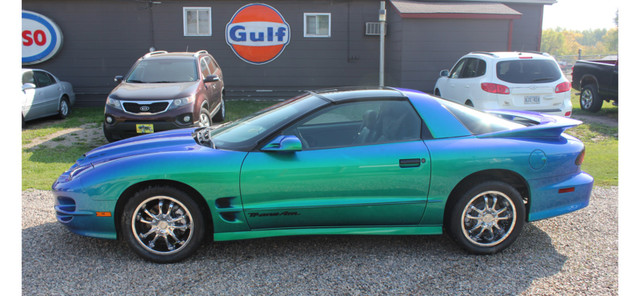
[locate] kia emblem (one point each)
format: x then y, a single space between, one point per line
144 108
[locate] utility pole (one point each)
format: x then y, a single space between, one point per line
382 17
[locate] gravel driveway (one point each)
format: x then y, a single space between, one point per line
575 254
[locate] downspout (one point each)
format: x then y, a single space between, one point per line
510 37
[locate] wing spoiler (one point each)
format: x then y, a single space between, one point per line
538 125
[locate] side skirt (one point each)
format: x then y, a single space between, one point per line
406 230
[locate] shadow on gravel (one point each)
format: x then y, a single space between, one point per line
55 260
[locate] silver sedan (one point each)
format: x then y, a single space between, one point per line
45 95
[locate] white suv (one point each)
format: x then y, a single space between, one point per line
527 81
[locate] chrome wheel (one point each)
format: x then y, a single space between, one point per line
488 218
162 225
204 119
586 99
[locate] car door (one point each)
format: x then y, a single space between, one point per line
452 89
47 94
357 166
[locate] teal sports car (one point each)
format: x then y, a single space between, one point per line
369 161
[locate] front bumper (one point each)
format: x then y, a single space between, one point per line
125 125
80 214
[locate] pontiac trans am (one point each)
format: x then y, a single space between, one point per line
376 161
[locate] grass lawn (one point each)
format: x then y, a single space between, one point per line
41 166
601 142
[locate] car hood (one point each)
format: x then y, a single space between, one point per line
153 91
162 142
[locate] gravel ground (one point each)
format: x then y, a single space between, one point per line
574 254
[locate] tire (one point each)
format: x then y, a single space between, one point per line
487 218
220 115
108 134
203 119
469 103
590 99
64 109
162 224
437 93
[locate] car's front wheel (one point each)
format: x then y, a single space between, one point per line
487 218
162 224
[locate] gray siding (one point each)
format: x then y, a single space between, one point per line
103 38
527 29
430 45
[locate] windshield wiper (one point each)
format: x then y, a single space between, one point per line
135 81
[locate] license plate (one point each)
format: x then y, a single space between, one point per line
532 100
144 128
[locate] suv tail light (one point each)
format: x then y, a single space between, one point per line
563 87
495 88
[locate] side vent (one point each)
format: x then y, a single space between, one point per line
226 209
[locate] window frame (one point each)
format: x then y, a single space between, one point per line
185 11
316 14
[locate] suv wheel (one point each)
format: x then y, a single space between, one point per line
204 119
219 117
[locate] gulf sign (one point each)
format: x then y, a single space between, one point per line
41 38
257 33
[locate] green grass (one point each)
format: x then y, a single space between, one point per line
41 166
601 143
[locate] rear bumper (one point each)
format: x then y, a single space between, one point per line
558 196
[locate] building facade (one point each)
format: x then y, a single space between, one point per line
279 47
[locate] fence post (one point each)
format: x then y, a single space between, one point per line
579 54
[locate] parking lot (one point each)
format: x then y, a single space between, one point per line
574 254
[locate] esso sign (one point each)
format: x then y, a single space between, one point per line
41 38
257 33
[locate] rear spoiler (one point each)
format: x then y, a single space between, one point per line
538 125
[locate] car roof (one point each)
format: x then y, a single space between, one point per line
355 93
510 54
164 54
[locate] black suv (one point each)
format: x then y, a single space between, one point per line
163 91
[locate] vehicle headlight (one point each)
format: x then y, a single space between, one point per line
114 103
182 101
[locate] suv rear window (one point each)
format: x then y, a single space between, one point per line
528 71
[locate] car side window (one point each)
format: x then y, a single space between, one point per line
457 69
358 123
204 67
211 65
474 68
27 77
42 79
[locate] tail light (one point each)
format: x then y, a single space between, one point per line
580 157
563 87
495 88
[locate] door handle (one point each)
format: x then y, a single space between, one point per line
410 162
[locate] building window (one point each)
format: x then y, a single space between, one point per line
197 21
317 25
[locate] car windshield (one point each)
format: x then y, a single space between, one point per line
478 122
164 71
244 134
528 71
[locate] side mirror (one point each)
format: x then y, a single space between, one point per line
28 86
118 78
444 73
284 143
211 78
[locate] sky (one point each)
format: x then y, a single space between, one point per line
581 14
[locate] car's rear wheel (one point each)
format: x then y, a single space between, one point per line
64 109
589 98
487 218
162 224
